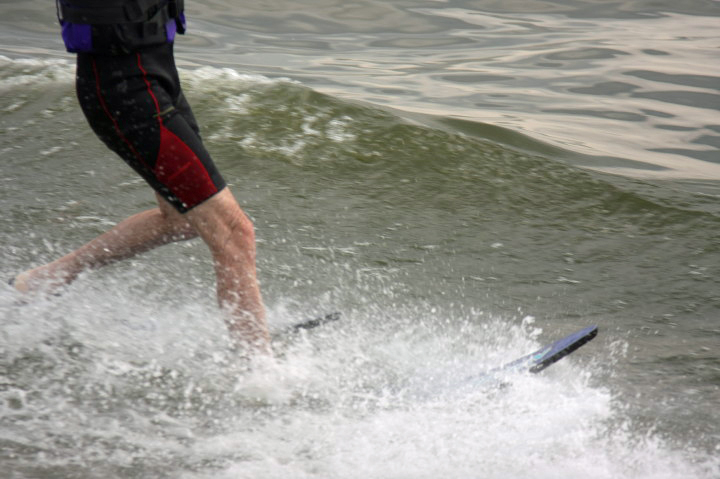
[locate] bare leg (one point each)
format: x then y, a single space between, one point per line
223 226
230 235
137 234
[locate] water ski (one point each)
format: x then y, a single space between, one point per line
533 362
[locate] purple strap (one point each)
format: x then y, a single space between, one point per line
77 37
171 27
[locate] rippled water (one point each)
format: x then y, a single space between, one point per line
463 180
631 83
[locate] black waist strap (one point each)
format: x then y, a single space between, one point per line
109 12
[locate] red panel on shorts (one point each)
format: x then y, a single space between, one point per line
179 168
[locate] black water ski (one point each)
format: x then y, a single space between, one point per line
314 323
550 354
534 362
308 324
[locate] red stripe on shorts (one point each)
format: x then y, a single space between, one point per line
177 166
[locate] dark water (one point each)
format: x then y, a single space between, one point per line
465 180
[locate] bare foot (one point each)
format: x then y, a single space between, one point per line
39 280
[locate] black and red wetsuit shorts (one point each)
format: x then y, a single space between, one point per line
135 105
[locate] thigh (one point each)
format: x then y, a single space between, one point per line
135 105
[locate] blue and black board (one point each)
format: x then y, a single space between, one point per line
540 359
532 363
544 357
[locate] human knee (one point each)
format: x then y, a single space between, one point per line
223 225
242 229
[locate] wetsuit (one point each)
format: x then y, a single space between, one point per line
129 91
